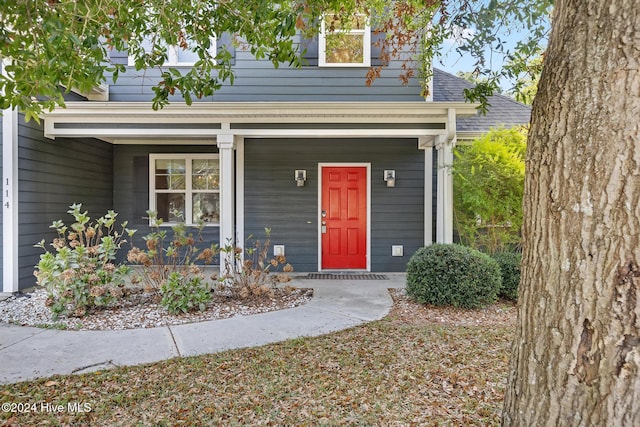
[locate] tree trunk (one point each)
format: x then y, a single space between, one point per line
576 354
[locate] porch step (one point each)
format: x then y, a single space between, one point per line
347 276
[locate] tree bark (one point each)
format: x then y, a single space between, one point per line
576 354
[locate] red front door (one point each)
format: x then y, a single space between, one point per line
344 217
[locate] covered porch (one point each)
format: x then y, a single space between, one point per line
226 126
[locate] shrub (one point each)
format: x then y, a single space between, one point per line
450 274
509 263
180 295
488 182
163 256
255 274
81 274
169 266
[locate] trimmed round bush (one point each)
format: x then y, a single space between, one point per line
453 275
509 263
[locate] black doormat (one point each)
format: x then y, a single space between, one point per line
347 276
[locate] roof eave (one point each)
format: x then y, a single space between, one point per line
259 112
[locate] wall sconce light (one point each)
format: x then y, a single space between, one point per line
390 177
300 177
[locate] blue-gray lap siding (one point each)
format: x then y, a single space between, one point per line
1 213
273 200
131 186
258 81
53 174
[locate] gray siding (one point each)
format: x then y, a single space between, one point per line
54 174
72 96
131 185
1 213
273 200
257 80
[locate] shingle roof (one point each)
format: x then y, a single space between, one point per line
503 110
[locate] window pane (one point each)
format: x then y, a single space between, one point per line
206 207
206 175
170 174
184 56
167 204
345 48
333 22
162 182
160 54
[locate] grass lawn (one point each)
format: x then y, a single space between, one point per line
418 366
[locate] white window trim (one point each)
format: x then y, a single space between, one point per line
322 47
172 56
188 191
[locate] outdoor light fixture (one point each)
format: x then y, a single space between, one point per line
300 177
390 177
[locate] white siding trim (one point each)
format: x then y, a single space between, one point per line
10 221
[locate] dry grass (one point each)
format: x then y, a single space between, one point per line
419 366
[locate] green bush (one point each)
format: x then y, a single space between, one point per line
180 295
488 184
81 274
509 263
450 274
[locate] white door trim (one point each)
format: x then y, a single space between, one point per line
346 164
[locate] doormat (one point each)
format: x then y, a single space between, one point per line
347 276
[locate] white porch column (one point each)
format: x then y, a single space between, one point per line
226 145
428 191
239 183
444 218
9 200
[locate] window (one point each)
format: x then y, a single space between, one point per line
345 47
176 55
185 187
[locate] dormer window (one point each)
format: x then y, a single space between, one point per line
177 56
344 45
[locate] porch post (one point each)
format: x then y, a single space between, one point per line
10 274
428 191
444 218
226 145
239 183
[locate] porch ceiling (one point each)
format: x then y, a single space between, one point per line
125 122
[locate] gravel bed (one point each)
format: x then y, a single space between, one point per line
138 310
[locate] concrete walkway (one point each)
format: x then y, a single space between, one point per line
27 353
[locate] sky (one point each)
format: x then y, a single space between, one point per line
452 62
509 31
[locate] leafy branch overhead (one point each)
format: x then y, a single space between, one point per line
52 47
